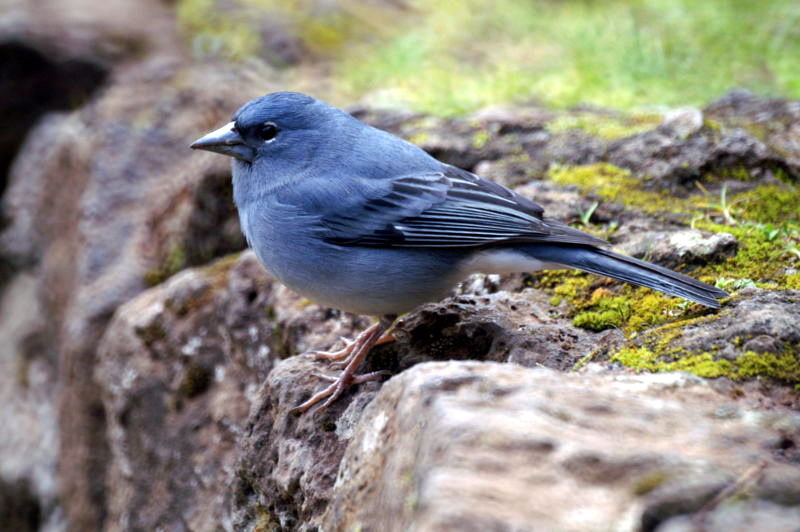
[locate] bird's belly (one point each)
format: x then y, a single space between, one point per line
372 281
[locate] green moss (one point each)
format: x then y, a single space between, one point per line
768 256
214 32
594 306
609 127
764 219
649 482
770 204
656 351
611 183
607 312
703 364
569 285
480 139
784 367
172 263
761 257
598 320
792 281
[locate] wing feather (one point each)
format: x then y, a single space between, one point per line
451 208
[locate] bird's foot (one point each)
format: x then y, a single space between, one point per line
351 355
356 379
337 387
344 354
339 354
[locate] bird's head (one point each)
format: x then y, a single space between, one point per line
279 129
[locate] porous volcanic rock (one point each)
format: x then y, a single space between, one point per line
483 446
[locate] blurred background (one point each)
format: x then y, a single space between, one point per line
451 58
102 200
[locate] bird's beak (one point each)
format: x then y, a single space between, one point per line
227 141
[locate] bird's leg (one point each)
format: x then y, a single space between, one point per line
360 347
347 351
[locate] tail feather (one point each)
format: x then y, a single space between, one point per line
605 262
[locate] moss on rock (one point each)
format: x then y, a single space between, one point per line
605 126
784 367
765 221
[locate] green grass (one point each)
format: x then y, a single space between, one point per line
449 58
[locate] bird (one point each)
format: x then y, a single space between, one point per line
357 219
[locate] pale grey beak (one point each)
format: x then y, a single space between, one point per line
227 141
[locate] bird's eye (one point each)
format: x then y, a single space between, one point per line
268 131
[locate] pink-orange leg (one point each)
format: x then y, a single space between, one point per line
357 351
344 354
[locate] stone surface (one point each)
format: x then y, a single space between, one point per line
29 441
684 121
481 446
182 365
502 326
103 202
681 247
777 120
179 367
757 320
54 54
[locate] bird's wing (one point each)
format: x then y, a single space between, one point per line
451 208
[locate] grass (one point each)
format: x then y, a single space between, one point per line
449 58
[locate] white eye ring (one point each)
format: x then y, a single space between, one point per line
268 132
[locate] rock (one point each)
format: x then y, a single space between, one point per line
155 387
683 122
179 367
682 247
482 446
103 202
667 162
36 81
286 465
54 54
514 119
741 517
182 365
752 314
756 333
29 442
115 30
19 508
774 119
503 326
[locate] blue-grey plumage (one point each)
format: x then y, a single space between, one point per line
358 219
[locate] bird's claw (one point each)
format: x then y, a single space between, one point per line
336 388
340 354
351 357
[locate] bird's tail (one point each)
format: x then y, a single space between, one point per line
605 262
